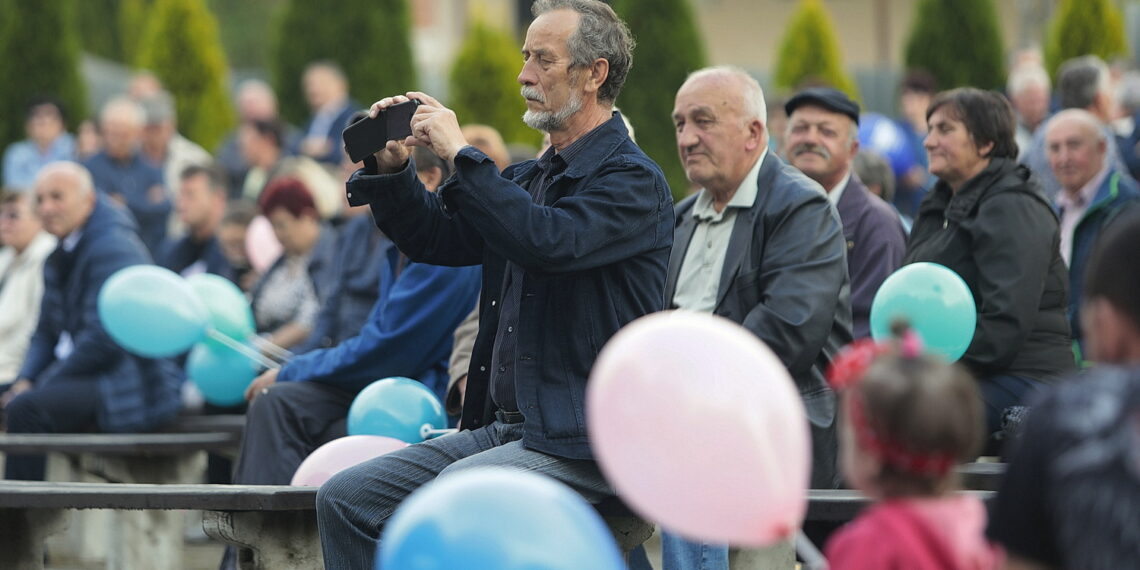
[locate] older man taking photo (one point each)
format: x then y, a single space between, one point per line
822 140
573 246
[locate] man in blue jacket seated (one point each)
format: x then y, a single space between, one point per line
74 377
303 405
201 206
573 246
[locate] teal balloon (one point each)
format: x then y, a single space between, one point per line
934 301
220 373
497 519
229 310
151 311
395 407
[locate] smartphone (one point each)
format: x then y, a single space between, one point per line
369 135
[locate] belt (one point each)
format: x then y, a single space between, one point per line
505 417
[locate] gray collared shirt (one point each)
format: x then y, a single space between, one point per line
699 278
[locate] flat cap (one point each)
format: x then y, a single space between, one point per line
826 97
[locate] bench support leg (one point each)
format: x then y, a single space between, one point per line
139 538
22 534
779 556
277 539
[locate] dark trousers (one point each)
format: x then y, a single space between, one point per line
999 394
59 407
285 425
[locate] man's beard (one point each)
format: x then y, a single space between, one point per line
548 121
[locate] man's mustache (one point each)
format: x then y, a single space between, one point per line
813 148
529 92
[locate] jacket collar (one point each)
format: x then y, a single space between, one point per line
1000 174
606 138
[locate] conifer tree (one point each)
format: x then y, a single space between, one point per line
1084 27
810 51
369 39
669 47
484 86
959 42
181 47
40 58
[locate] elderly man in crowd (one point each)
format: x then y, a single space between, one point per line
1093 192
74 377
121 171
573 246
760 245
822 141
1082 83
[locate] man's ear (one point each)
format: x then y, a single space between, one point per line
598 72
756 131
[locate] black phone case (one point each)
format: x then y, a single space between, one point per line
368 135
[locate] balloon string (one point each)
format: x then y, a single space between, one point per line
812 557
243 349
276 352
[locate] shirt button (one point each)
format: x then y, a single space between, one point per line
510 329
502 369
482 369
492 302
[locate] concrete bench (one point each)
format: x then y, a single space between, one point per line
276 523
981 476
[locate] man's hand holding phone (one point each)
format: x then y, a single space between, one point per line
394 155
435 127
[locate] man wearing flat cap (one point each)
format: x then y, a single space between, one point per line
822 140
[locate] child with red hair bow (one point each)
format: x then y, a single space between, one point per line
907 419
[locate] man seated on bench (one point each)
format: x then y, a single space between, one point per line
74 377
303 405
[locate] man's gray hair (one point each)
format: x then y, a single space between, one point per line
753 94
1081 117
76 171
600 34
123 108
1025 76
1080 80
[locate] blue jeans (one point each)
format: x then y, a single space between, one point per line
679 553
353 505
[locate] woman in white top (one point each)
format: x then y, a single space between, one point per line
25 247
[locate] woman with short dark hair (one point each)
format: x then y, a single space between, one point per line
988 220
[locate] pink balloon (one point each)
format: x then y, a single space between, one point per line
261 244
699 428
340 454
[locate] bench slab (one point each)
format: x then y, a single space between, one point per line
58 495
118 443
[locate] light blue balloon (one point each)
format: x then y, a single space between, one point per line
220 373
229 310
497 519
395 407
151 311
934 300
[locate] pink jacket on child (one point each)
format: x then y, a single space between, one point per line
946 533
